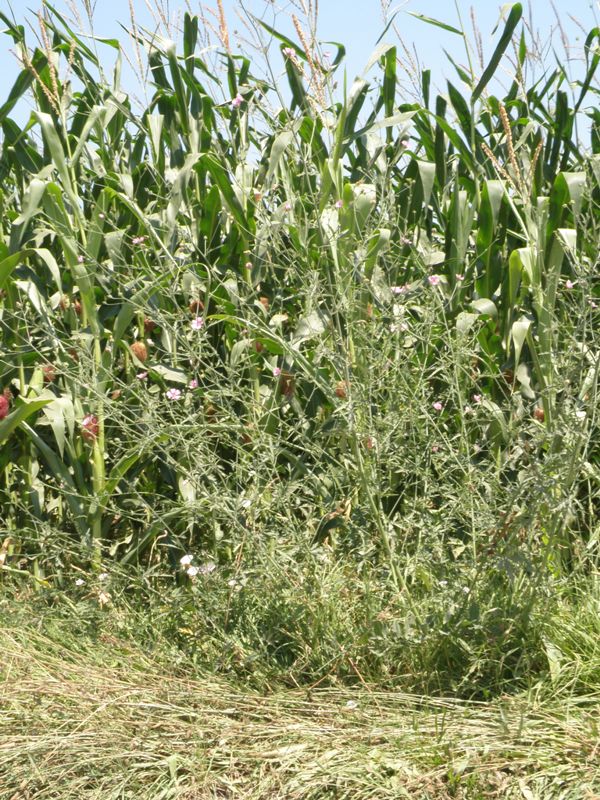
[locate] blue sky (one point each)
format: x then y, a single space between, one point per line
356 25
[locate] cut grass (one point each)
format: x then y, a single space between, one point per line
103 719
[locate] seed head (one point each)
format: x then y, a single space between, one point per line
287 384
140 351
49 373
90 428
341 390
196 307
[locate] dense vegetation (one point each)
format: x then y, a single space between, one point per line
310 393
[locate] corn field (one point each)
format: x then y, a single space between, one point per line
256 330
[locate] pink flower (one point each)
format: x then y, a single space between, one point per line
174 394
405 141
398 289
80 259
339 203
460 278
101 216
237 101
288 207
138 240
141 376
477 398
193 384
434 280
276 372
438 406
569 284
197 324
289 52
5 406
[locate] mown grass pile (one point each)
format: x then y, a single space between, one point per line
314 386
99 718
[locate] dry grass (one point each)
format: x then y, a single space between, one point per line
84 720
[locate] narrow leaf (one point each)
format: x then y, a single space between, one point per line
511 23
436 22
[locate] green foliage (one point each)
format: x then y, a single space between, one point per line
277 341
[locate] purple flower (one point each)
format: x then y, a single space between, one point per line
569 284
174 394
197 324
141 376
80 259
477 398
237 101
434 280
289 52
438 406
339 203
193 384
276 372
